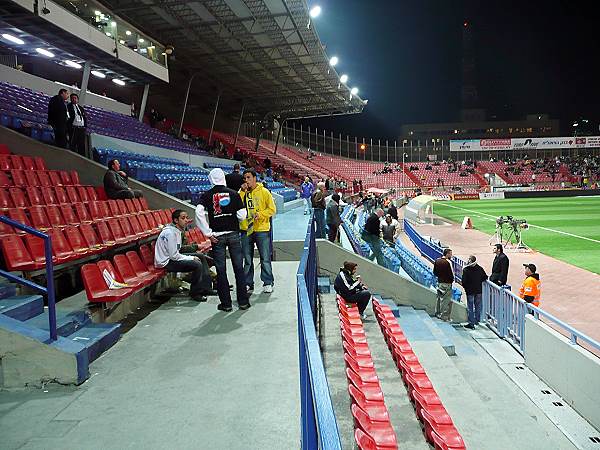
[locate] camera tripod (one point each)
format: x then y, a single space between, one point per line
505 235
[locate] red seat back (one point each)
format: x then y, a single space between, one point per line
74 177
122 266
31 178
82 213
144 226
39 219
49 196
18 177
147 255
144 204
18 197
104 209
17 162
34 195
104 233
65 177
83 195
95 212
130 206
106 265
60 245
69 215
40 164
55 217
114 208
89 236
61 195
35 246
101 193
72 194
5 162
122 208
92 194
135 225
137 205
126 227
116 229
16 255
136 263
5 201
151 220
75 239
18 215
55 178
28 163
5 230
43 178
4 180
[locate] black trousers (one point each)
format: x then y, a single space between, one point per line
332 232
201 284
361 299
60 135
125 193
77 140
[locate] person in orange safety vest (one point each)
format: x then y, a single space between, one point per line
532 286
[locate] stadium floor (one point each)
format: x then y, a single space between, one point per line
186 377
565 228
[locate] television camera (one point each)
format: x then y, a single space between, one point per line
508 232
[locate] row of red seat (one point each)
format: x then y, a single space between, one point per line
373 429
8 161
15 197
38 178
438 426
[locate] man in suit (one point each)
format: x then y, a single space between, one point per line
499 266
58 117
77 124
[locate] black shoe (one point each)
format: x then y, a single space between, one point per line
224 308
470 326
212 292
245 307
200 298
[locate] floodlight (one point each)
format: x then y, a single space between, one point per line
333 61
119 82
354 91
141 40
128 33
315 12
14 39
344 78
113 24
43 51
98 74
73 64
97 12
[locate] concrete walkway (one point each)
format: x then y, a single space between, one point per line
290 226
186 377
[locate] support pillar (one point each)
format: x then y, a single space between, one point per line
144 102
239 126
212 125
278 134
185 102
84 82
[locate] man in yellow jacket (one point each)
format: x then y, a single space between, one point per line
531 289
256 229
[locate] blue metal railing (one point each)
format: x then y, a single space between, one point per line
49 289
502 310
318 424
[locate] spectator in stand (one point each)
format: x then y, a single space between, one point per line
256 229
333 218
531 290
235 179
58 116
442 269
348 286
115 183
500 265
473 276
389 229
76 125
371 235
225 210
168 257
318 205
306 191
392 211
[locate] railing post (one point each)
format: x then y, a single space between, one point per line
50 287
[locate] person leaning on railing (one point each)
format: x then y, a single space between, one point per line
348 286
531 290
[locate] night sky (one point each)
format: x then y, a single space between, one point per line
405 57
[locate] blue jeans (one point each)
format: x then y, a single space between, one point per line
374 243
474 308
263 243
320 221
231 240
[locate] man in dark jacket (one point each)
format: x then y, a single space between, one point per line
318 204
348 286
499 273
76 125
115 183
442 269
332 217
234 179
473 276
371 235
58 116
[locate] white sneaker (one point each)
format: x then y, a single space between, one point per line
267 289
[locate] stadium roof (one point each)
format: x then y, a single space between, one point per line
263 53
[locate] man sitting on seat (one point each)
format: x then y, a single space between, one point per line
115 183
167 256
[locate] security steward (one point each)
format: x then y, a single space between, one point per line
531 289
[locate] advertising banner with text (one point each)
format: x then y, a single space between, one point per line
485 145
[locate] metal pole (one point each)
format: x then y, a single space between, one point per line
144 102
356 146
411 151
239 125
278 134
365 152
301 138
185 102
387 151
294 126
371 149
84 82
212 125
403 167
50 288
316 140
309 138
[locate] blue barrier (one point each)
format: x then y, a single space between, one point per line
49 289
318 424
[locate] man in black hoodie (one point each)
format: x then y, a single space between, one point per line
499 266
472 277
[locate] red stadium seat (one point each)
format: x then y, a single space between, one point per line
31 178
137 228
104 209
74 177
90 237
55 217
35 247
140 268
83 194
144 225
76 241
356 350
72 194
65 178
18 215
144 204
104 234
382 433
28 163
147 255
18 197
5 229
137 205
4 180
128 231
61 195
5 201
376 409
5 162
372 391
95 212
92 194
151 220
69 215
122 208
60 246
100 193
40 164
354 339
117 231
18 178
130 206
55 177
17 162
35 196
39 219
96 288
83 216
113 208
16 256
158 216
125 270
43 178
49 196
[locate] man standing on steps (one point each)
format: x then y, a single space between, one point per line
473 276
442 269
306 191
318 204
500 265
371 235
234 179
225 210
58 117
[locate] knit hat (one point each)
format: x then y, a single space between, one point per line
217 177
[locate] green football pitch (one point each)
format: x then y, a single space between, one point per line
564 228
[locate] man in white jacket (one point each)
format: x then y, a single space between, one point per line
167 256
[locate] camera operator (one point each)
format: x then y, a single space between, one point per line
500 265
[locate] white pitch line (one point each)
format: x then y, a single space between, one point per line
530 224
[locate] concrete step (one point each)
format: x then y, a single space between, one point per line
22 307
97 338
66 323
7 289
414 328
434 326
324 285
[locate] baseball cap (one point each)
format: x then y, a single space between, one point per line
531 267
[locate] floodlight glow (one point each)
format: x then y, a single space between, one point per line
344 78
141 41
128 33
97 13
119 82
73 64
98 74
14 39
113 24
108 34
354 91
315 11
121 41
333 61
43 51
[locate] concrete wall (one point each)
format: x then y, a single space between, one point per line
574 373
49 87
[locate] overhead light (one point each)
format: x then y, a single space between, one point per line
119 82
354 91
333 61
128 33
97 13
121 41
315 11
113 24
14 39
43 51
98 74
344 78
73 64
108 34
141 40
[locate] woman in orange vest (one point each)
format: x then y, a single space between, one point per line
531 289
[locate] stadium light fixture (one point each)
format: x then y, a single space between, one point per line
575 124
121 41
108 34
119 82
13 39
354 91
98 74
315 12
128 33
344 78
43 51
141 40
333 61
97 13
73 64
113 24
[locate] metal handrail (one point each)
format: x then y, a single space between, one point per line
49 289
318 424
